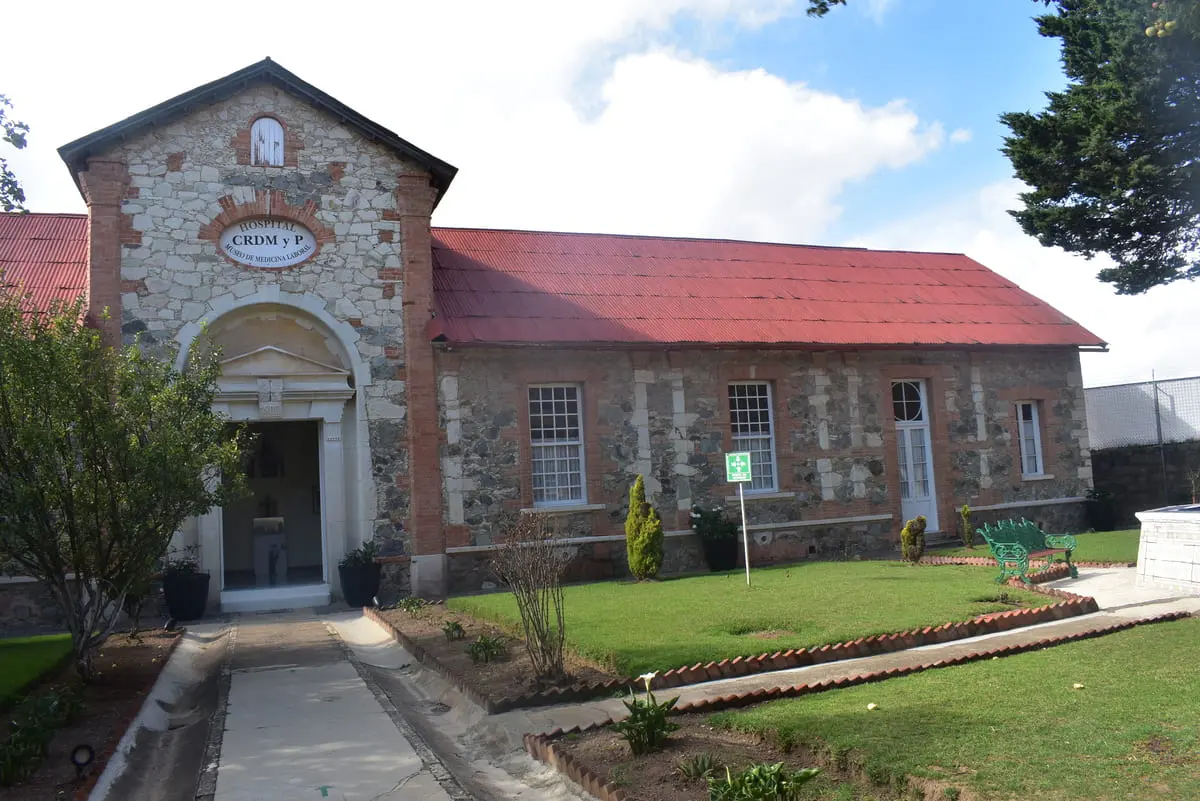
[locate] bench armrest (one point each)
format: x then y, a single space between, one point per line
1061 541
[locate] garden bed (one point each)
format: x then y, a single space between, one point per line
496 686
603 757
127 669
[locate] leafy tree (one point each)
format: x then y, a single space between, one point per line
104 453
643 534
1112 161
12 197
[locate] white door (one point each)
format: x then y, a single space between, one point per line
910 406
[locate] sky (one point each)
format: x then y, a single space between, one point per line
876 126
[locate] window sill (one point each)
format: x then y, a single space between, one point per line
763 495
1038 477
565 510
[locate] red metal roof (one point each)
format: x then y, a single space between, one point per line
531 287
45 255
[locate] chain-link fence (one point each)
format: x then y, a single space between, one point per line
1146 413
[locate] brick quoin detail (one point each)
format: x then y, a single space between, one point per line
389 291
240 142
414 205
386 235
391 274
104 184
138 286
266 203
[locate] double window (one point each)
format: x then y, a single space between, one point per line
556 440
752 426
1029 430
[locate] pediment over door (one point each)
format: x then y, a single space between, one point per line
270 376
270 361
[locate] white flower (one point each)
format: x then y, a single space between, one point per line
648 677
872 707
1076 686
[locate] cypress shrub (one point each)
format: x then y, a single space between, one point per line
643 534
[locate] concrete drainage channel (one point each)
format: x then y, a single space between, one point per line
357 720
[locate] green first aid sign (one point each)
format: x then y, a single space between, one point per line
737 467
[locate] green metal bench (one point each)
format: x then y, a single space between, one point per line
1014 542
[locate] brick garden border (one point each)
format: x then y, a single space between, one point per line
1071 605
541 746
987 561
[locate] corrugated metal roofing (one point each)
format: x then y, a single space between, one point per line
530 287
45 255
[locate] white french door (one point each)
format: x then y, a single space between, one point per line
910 407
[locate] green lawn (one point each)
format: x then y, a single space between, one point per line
1095 546
1016 728
23 659
661 625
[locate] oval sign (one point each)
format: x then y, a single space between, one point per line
268 242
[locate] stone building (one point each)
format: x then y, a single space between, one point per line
412 384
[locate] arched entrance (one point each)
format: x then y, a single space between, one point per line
294 378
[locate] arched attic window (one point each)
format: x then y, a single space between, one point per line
266 142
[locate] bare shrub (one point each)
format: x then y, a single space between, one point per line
531 562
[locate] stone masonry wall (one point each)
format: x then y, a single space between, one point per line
665 415
182 175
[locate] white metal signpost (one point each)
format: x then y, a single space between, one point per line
737 471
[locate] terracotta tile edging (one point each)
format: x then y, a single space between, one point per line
988 561
1069 605
84 790
542 748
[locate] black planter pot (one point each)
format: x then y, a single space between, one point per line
186 595
721 554
360 583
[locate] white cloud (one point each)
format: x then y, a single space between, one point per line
1154 331
960 136
559 115
877 9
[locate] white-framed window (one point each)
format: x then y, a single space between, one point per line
266 142
1030 432
752 426
556 440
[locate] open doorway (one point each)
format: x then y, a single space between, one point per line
272 536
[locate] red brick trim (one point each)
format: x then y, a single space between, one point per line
240 142
266 203
175 161
1071 606
542 748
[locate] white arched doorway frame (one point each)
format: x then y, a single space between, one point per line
347 488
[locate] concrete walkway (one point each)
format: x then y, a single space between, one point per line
301 723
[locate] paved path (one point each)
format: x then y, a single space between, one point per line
301 723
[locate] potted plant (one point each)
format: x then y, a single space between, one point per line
185 587
718 536
360 575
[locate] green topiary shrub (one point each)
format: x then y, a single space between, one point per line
912 539
968 533
643 534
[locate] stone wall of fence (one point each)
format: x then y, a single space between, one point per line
1134 475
